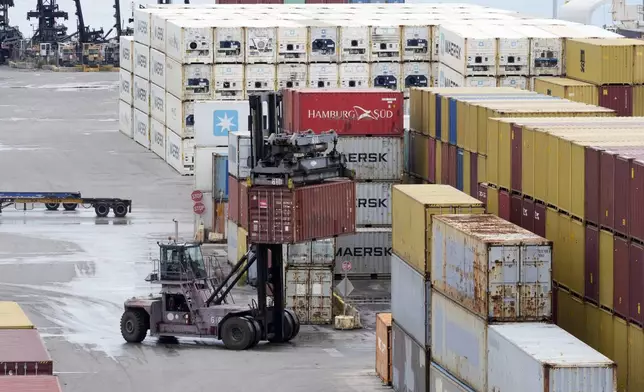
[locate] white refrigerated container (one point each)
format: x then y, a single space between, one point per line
467 49
141 128
416 42
386 75
292 39
546 50
238 154
292 75
126 120
385 41
157 138
513 49
214 120
520 82
141 97
126 86
354 75
323 41
260 39
180 116
229 42
416 74
180 153
354 42
323 75
448 77
126 53
190 41
157 68
157 103
189 81
229 81
141 60
260 78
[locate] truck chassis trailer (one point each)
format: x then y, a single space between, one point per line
69 200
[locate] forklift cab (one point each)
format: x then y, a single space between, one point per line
181 262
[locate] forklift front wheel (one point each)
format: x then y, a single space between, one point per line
296 322
258 331
133 327
237 333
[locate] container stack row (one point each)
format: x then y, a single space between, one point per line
26 364
604 72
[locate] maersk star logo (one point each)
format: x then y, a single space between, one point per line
225 121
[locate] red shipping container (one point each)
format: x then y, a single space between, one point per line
355 112
30 384
621 193
607 187
22 353
445 163
504 205
452 165
279 215
591 262
474 174
243 204
618 98
516 158
540 219
482 193
527 214
233 199
621 278
636 223
591 184
636 273
432 161
516 206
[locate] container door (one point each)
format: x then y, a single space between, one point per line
459 169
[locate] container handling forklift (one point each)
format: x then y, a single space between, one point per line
190 303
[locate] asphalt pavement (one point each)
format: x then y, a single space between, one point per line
72 271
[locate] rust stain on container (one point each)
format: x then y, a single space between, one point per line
607 188
280 215
516 158
233 199
505 208
445 164
618 98
482 194
620 353
540 219
591 184
636 294
591 287
474 174
621 193
516 209
621 278
636 186
452 165
23 354
527 215
383 347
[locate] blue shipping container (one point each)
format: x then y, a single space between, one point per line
459 169
220 179
452 121
438 116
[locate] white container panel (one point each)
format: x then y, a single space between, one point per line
189 41
448 77
157 103
385 42
416 42
126 53
435 67
411 301
540 357
141 98
229 81
373 203
323 75
441 380
368 250
126 119
214 120
312 253
188 81
292 41
180 116
157 31
354 75
229 45
157 138
126 86
179 153
203 166
141 128
141 60
520 82
459 341
292 75
238 154
309 293
513 49
142 25
323 43
409 362
416 75
373 158
467 50
546 51
354 43
157 68
387 75
231 241
260 78
261 45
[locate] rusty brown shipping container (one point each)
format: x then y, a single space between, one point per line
591 184
444 164
622 193
243 205
280 215
383 347
607 189
452 165
591 255
22 353
606 270
636 210
233 199
527 215
516 205
618 98
621 278
516 157
540 219
505 209
30 384
474 175
636 274
482 194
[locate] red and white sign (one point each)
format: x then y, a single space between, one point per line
263 204
196 196
199 208
346 266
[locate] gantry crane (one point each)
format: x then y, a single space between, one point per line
49 30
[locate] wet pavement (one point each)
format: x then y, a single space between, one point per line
72 271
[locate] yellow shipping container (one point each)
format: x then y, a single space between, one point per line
13 317
606 333
412 209
571 314
566 88
481 168
419 145
635 358
605 61
593 324
562 252
492 200
576 265
638 100
606 244
416 121
620 354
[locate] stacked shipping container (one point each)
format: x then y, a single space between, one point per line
26 364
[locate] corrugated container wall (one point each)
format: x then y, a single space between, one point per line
368 250
30 384
603 61
410 362
13 317
319 252
373 158
411 301
495 269
384 355
445 382
571 89
309 292
231 242
540 357
638 100
618 98
23 353
373 203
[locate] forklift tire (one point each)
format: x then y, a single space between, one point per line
133 326
70 206
102 210
237 333
258 330
52 206
287 325
296 322
120 210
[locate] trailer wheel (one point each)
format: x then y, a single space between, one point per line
237 333
133 327
52 206
101 210
70 206
296 322
120 210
